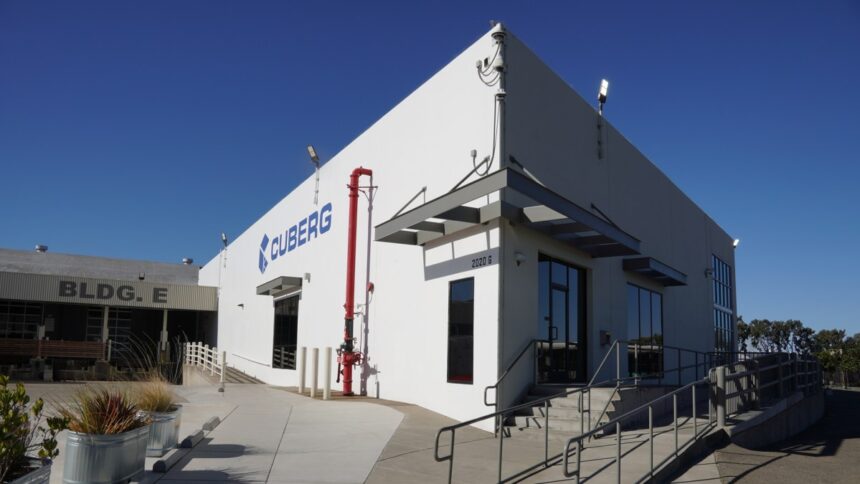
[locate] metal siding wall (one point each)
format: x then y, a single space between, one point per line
38 287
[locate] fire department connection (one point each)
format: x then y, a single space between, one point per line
347 357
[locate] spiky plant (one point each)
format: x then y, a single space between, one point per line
155 395
102 411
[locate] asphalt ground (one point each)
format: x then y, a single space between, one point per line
829 451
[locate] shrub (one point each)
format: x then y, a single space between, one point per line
155 395
102 411
20 432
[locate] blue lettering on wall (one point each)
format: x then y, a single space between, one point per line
296 235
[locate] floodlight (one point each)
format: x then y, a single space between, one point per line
313 154
224 238
736 243
604 91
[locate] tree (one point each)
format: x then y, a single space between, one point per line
743 333
831 355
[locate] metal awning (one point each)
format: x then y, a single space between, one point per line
552 214
279 285
654 269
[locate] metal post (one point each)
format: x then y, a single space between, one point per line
581 414
651 439
757 384
546 432
675 423
618 452
327 377
302 369
589 409
315 357
578 458
721 396
501 443
223 370
695 415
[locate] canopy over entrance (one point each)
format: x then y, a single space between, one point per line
551 214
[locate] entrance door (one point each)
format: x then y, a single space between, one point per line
561 325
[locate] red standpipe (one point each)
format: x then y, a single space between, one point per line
347 356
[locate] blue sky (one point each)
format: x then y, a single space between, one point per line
122 124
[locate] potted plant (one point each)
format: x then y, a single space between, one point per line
26 448
157 402
107 437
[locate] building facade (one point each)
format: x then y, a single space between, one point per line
73 310
504 213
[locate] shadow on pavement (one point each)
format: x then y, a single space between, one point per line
828 451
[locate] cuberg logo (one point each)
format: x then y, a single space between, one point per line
299 234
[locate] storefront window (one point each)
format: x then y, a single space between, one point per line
644 332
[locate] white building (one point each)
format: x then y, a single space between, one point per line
567 235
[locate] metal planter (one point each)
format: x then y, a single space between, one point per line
163 432
105 459
40 475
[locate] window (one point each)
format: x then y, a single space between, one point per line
19 319
644 332
461 317
286 332
724 327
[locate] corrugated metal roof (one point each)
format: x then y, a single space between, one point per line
51 263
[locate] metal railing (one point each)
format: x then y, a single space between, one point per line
284 357
618 421
700 359
495 386
763 377
207 359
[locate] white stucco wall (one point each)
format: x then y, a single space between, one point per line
553 132
423 141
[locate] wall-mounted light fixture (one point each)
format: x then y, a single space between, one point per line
315 159
519 257
601 100
307 277
241 305
709 273
736 243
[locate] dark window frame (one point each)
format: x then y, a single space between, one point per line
288 360
660 354
723 300
471 372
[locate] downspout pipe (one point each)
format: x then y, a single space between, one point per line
347 356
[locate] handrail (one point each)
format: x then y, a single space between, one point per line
208 359
500 414
505 373
617 423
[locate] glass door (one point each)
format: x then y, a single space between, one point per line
561 325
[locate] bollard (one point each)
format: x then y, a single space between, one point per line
721 396
315 357
302 361
223 370
327 377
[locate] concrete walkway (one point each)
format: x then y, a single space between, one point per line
266 435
